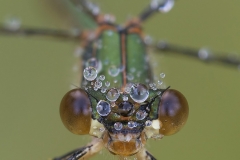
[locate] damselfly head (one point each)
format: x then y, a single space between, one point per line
126 122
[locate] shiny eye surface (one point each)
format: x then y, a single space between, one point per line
173 112
76 111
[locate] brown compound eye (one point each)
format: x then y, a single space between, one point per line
173 112
76 111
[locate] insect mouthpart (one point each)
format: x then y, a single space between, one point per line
124 144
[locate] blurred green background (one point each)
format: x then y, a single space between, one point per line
36 72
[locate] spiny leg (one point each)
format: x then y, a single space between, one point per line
143 154
85 152
5 29
202 54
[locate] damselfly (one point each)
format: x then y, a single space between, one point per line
174 87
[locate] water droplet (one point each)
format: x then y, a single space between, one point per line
148 123
154 88
150 85
160 82
99 46
125 108
90 73
122 68
107 84
95 10
101 77
159 93
163 6
98 84
113 71
84 82
12 23
139 93
140 115
132 69
109 18
103 89
148 40
204 54
154 85
162 75
103 108
92 7
148 109
106 62
93 62
118 126
139 73
109 33
125 97
128 88
131 124
130 77
112 94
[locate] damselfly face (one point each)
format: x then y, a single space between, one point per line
124 121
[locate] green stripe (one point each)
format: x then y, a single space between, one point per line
137 65
109 53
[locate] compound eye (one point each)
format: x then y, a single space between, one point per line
172 112
76 111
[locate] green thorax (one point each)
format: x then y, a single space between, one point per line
122 56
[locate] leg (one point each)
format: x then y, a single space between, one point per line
202 54
143 154
59 34
85 152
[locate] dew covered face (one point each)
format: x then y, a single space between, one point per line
124 121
